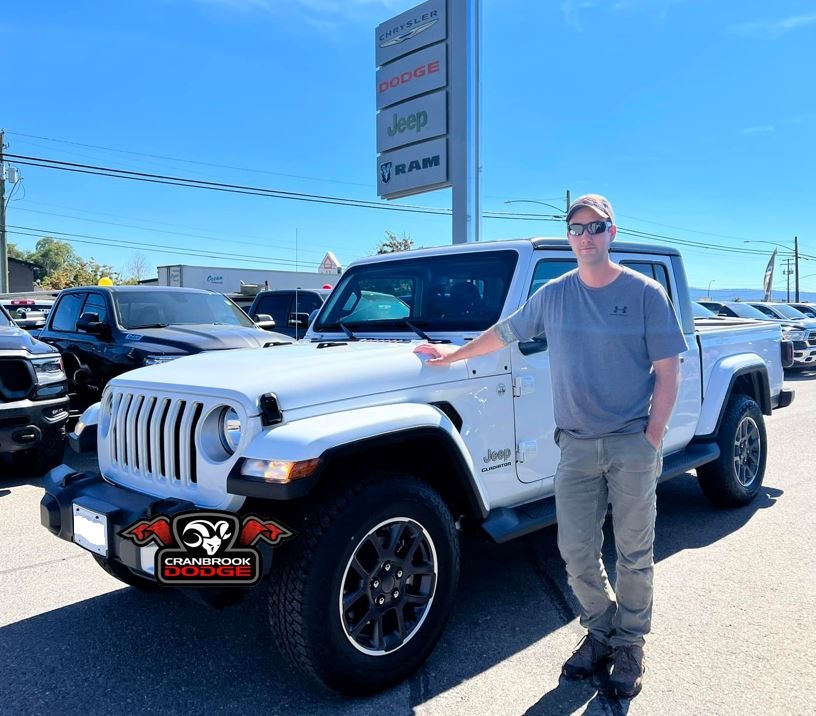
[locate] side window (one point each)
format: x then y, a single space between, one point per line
548 269
657 271
306 303
96 304
767 311
67 312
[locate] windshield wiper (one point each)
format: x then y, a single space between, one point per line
149 325
347 331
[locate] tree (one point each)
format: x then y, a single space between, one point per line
60 267
52 255
16 253
394 243
135 270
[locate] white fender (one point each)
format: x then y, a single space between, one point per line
716 389
310 437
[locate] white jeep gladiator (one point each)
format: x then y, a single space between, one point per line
376 461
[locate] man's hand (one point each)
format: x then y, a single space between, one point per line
440 353
653 441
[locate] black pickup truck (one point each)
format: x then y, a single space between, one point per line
103 331
33 400
287 311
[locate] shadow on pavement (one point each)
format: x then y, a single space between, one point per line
159 652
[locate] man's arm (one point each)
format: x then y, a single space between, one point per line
492 339
667 382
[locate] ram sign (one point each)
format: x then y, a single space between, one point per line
402 171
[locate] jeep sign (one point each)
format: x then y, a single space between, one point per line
413 121
422 166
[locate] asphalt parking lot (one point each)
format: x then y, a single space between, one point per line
733 633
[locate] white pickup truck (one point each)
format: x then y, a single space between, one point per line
376 461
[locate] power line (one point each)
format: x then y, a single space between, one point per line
188 161
341 201
161 248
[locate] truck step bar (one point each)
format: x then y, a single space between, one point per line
506 523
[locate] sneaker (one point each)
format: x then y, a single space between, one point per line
587 657
626 678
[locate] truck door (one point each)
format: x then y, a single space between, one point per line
687 408
536 452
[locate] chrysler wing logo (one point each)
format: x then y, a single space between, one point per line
407 35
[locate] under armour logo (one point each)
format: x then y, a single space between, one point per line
619 310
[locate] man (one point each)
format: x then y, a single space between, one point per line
614 342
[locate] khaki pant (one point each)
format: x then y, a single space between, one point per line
620 470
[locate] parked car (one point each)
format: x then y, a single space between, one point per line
809 309
28 313
784 311
103 331
287 311
794 330
375 461
33 400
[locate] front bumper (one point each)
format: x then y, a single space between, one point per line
24 422
122 507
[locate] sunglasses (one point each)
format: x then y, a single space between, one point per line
593 227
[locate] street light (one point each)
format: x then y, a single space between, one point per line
795 258
544 203
708 290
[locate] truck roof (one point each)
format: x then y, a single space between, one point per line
136 289
536 243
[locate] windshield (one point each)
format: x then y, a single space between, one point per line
789 311
150 309
700 311
434 293
743 310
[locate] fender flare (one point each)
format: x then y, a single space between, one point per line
334 435
720 387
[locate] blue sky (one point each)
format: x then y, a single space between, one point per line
695 117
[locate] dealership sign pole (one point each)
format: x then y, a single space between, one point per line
427 89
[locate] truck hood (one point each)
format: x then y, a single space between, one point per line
300 374
195 338
16 339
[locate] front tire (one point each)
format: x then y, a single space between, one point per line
735 477
362 598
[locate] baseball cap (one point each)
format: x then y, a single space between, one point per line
599 204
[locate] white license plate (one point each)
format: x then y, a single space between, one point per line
91 530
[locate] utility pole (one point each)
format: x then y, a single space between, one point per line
788 273
569 203
796 264
4 275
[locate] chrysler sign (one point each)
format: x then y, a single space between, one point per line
410 31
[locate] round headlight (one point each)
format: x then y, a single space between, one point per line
230 429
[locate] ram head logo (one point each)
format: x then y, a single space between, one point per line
206 535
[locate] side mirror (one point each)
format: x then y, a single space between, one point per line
299 320
90 323
265 321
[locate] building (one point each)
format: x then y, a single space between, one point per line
21 275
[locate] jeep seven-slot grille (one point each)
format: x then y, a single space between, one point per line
154 436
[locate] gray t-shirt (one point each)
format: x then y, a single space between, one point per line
602 343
